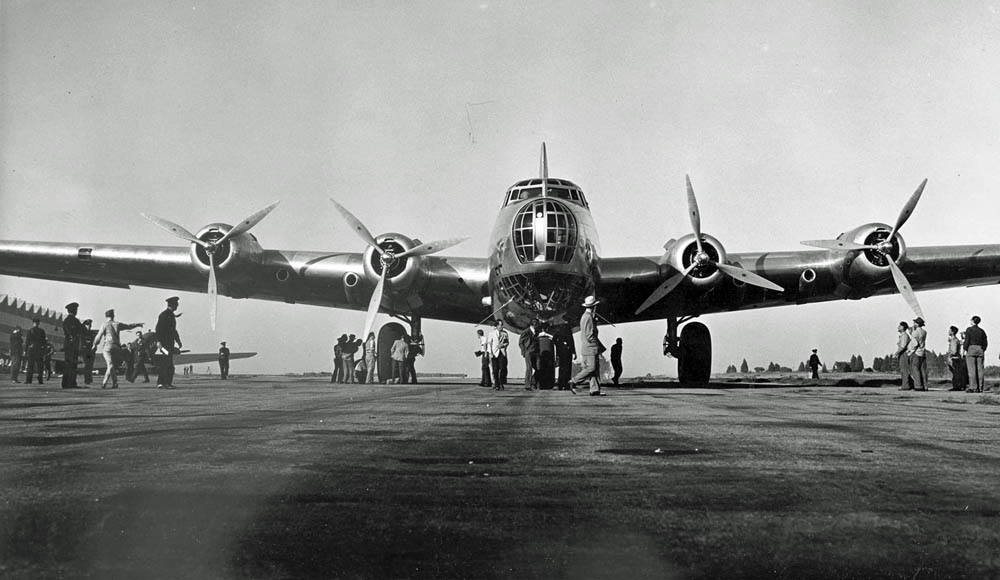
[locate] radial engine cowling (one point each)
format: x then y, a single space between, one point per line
683 252
860 269
402 273
232 256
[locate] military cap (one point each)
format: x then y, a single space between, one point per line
109 312
173 300
72 306
223 343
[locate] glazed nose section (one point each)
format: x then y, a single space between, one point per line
544 230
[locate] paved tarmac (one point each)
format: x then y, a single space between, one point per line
282 477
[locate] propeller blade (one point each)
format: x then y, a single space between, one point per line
748 277
245 225
903 285
175 229
213 291
836 245
693 211
359 227
665 288
431 247
373 306
907 210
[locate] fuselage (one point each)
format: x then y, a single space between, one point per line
544 254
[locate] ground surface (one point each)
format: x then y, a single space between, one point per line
276 477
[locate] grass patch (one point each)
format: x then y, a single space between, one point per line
988 400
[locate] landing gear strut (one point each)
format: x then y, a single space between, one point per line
693 351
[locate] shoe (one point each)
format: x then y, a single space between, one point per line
970 390
572 390
160 387
598 394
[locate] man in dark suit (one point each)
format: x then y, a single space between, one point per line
528 342
34 347
170 343
73 331
224 361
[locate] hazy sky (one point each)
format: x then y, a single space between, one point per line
795 120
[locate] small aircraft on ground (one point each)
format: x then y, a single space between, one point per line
543 258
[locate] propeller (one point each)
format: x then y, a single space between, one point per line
388 258
884 248
211 247
703 259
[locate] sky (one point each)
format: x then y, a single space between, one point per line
796 121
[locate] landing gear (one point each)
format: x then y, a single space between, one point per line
693 351
388 334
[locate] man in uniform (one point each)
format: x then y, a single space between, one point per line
590 349
814 364
565 355
73 331
170 343
16 352
416 349
223 360
35 341
87 352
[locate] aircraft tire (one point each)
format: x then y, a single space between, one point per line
387 335
694 366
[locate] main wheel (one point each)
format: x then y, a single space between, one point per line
388 334
694 366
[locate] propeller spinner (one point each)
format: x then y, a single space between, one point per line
884 248
703 260
211 247
388 258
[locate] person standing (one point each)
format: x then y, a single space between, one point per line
902 349
959 373
143 346
34 348
485 380
108 339
590 349
616 360
496 346
73 332
223 360
565 355
545 377
918 354
400 350
814 364
87 351
170 343
47 359
975 352
416 348
347 352
371 357
16 352
338 360
528 343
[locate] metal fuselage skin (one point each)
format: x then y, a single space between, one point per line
544 255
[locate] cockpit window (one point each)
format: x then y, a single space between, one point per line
557 188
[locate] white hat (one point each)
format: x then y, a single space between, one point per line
590 301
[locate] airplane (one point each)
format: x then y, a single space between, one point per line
543 259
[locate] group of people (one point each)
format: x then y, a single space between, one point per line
966 352
81 343
355 361
546 350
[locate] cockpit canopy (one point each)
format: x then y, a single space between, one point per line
557 188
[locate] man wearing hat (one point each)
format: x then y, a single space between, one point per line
814 364
34 345
918 354
73 331
590 350
223 361
170 343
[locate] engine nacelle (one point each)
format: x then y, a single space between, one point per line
682 253
862 268
402 272
233 256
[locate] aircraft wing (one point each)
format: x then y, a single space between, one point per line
443 288
805 276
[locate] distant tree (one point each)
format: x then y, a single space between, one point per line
758 369
731 369
857 364
802 367
744 368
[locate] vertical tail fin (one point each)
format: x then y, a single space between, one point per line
544 171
